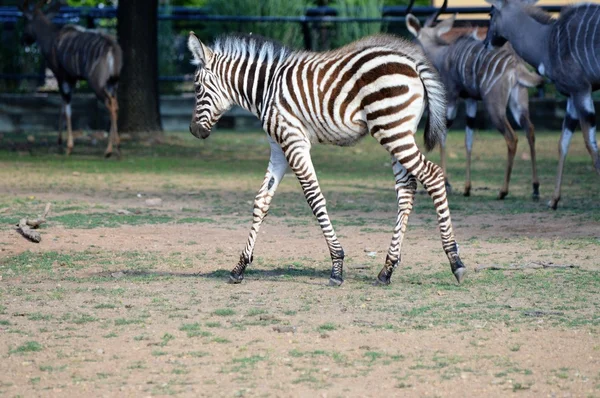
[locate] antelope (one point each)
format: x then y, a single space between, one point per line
566 50
74 53
473 72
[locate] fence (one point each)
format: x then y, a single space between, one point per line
22 68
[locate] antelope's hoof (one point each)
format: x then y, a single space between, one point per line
235 279
467 192
107 155
459 274
502 195
68 151
335 281
553 204
535 196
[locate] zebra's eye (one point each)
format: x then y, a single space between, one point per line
199 88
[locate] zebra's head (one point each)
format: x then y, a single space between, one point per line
503 15
212 98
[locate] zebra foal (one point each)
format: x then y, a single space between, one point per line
378 85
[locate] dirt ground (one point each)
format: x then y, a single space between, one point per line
125 298
106 329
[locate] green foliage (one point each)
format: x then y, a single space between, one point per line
288 33
91 3
348 32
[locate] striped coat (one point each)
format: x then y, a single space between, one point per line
499 78
377 86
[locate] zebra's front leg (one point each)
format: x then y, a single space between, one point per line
298 156
276 170
406 186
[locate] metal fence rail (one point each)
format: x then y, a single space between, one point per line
314 18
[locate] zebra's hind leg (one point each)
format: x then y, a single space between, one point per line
406 186
402 145
275 171
298 156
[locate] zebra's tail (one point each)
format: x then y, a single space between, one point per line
435 128
527 78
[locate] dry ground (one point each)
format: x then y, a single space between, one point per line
136 304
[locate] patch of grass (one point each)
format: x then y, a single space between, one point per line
327 327
27 347
224 312
194 330
107 220
105 306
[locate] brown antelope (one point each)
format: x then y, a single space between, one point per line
73 54
567 51
474 72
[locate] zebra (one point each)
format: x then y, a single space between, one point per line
378 85
74 53
566 51
469 70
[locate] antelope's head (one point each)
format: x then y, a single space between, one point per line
212 97
428 36
35 14
502 19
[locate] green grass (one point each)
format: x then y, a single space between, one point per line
27 347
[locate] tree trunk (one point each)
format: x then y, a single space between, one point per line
137 29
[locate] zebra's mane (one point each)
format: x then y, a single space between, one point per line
538 14
235 45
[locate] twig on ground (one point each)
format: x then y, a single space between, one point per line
521 267
26 226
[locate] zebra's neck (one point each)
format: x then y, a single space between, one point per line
248 70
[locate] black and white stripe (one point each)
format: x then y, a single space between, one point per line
378 86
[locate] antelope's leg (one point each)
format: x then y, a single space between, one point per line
587 118
569 124
298 156
406 186
61 122
275 171
519 106
109 102
471 111
450 116
69 129
401 144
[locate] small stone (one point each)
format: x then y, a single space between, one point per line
284 329
76 173
124 212
118 274
371 254
100 351
154 202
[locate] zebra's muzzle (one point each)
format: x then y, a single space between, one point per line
199 131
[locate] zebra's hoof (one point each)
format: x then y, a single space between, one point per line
235 279
459 274
379 282
335 282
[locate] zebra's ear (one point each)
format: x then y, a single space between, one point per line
413 25
444 26
202 54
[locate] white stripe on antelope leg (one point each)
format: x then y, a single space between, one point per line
588 126
277 167
471 111
569 125
406 186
